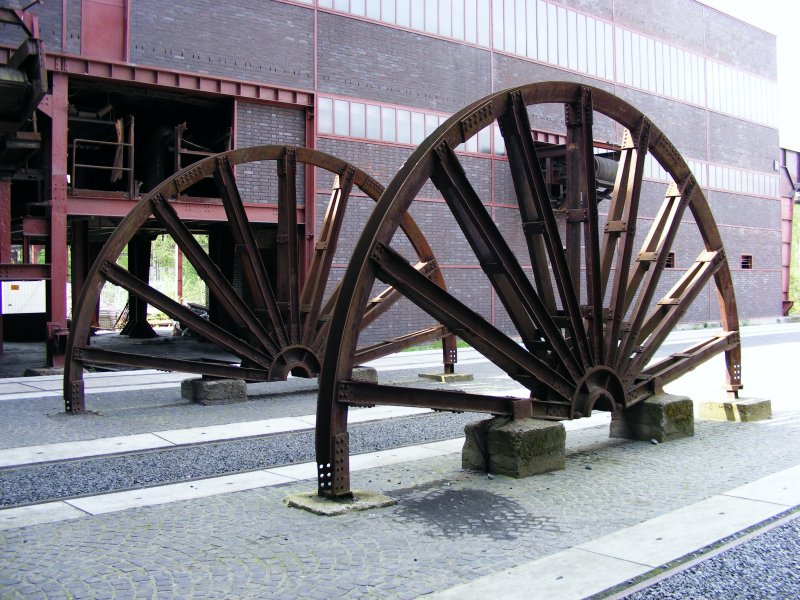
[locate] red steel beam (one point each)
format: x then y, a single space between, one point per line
188 210
23 272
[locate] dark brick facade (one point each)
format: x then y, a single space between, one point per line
253 40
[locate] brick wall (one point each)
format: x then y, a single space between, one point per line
724 37
257 40
401 67
680 24
49 15
259 124
741 143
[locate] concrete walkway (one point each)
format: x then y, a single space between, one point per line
619 508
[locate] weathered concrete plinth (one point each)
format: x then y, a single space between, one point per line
447 377
663 418
42 371
362 500
365 374
518 448
208 391
742 409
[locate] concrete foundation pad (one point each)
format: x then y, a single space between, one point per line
361 500
742 409
209 391
43 371
516 448
447 377
663 418
365 374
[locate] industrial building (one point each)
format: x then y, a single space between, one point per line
137 90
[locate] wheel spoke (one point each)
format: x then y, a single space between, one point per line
646 274
209 272
672 307
526 309
675 365
538 218
96 356
119 276
620 230
255 275
466 324
357 393
288 262
582 192
325 249
397 344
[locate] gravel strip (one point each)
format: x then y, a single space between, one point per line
768 566
39 483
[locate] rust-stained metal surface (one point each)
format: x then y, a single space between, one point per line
587 339
274 327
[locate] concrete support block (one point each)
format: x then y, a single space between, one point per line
447 377
662 417
361 500
209 391
365 374
743 409
42 371
517 448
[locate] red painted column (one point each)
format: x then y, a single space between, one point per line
57 243
310 208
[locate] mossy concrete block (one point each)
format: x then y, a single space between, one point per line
361 500
365 374
214 391
662 417
447 377
516 448
743 409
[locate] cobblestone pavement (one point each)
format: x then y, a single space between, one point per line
449 525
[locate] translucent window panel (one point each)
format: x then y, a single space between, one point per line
326 3
457 19
373 10
658 49
472 144
499 142
471 21
342 5
358 7
509 28
552 34
582 59
711 84
627 57
418 14
431 123
373 122
666 67
485 140
673 67
325 115
736 85
712 176
522 22
388 11
751 186
609 51
699 79
341 117
417 127
431 16
403 13
651 65
358 126
446 17
388 124
572 40
591 47
404 126
483 22
498 28
530 29
562 37
541 30
636 61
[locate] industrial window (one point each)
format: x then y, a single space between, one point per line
747 261
670 264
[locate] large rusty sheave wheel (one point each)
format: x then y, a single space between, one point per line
584 308
280 326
